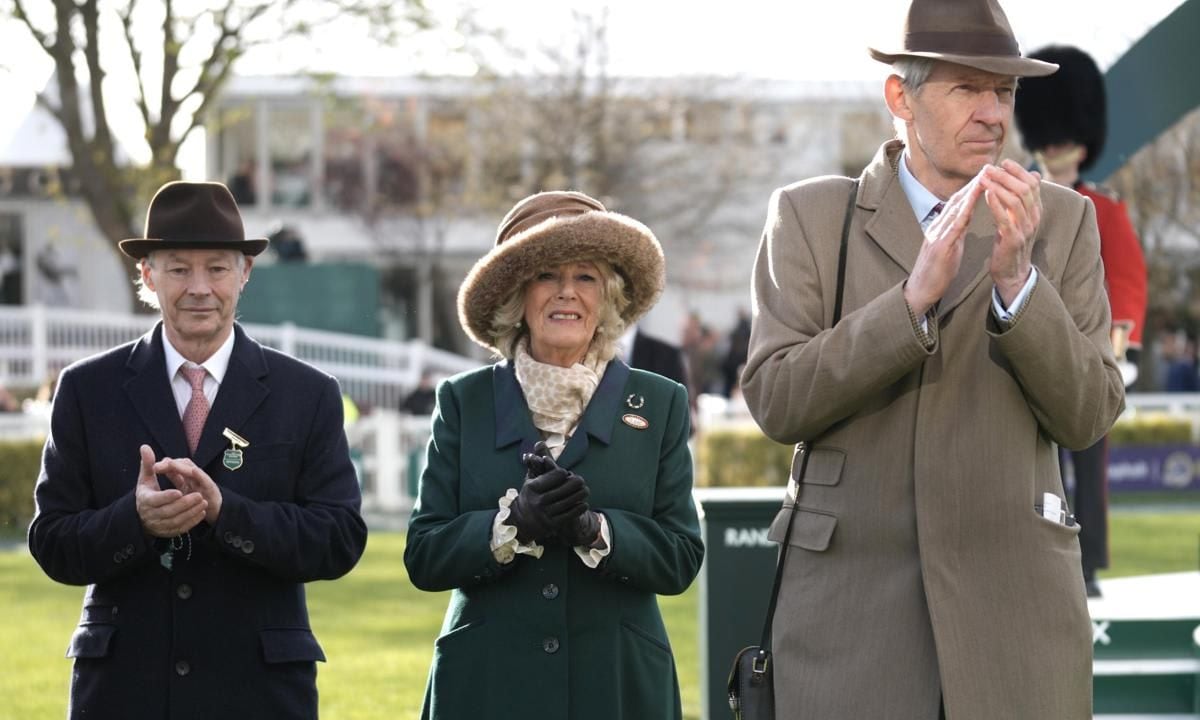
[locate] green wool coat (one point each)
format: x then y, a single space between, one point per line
550 637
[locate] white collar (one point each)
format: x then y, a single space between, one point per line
919 197
216 364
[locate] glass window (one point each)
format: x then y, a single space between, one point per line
12 262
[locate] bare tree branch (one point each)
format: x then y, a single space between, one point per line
41 37
135 55
102 137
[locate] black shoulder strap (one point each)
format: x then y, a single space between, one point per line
764 647
841 276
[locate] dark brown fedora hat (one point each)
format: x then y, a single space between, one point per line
974 33
196 216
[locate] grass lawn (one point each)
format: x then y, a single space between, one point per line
378 631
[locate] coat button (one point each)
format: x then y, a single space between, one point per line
550 645
228 536
115 610
184 591
247 546
182 668
237 541
550 591
129 550
118 557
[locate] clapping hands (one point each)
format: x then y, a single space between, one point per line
567 514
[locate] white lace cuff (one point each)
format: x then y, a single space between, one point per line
591 556
505 545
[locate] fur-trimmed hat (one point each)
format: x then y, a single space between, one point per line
550 229
1068 107
974 33
193 215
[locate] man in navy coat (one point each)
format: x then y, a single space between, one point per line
194 480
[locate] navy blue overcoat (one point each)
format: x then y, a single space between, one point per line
225 632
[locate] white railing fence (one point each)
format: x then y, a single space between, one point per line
36 342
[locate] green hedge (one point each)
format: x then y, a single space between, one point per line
740 457
20 461
1151 429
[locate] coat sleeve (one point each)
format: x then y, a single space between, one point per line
318 536
661 553
74 541
1063 333
448 547
800 377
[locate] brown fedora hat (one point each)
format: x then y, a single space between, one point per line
974 33
193 215
550 229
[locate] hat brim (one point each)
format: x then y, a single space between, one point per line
625 243
1015 66
138 248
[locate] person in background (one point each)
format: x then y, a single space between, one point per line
194 480
933 568
735 354
557 499
1063 122
422 399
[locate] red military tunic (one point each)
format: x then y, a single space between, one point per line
1124 265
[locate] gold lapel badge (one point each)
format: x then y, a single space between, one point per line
637 422
233 456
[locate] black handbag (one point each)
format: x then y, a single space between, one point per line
751 679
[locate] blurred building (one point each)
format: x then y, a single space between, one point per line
51 252
411 175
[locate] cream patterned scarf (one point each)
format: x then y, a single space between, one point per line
557 395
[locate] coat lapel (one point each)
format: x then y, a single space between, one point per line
513 422
892 225
241 392
600 416
149 392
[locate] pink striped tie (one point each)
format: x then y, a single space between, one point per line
196 411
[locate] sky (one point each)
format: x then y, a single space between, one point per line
802 41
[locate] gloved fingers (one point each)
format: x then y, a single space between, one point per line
547 481
559 508
537 465
570 485
564 515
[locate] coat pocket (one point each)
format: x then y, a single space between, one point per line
824 466
284 645
93 640
811 530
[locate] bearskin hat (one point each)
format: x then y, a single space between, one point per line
1068 106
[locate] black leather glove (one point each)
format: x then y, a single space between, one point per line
547 499
583 529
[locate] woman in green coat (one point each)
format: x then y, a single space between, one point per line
556 502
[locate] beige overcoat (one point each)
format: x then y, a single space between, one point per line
917 566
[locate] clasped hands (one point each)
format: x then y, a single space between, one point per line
176 510
552 503
1013 194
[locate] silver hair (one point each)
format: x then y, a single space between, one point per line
508 322
148 296
913 71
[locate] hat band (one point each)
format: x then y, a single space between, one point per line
566 207
962 43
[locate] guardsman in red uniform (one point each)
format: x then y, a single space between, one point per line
1062 119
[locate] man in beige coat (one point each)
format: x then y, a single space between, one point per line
928 572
